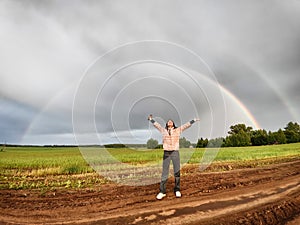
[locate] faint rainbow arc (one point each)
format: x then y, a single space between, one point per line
242 106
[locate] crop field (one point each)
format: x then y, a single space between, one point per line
56 185
65 167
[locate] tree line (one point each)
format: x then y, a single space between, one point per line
242 135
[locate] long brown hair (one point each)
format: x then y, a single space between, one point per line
174 126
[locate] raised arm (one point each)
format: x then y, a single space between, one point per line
156 124
188 124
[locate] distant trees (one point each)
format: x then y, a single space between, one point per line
202 143
242 135
292 132
152 143
216 142
261 137
212 143
278 137
183 143
239 135
115 146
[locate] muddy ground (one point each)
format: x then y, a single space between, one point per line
265 195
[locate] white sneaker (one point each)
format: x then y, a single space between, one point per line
178 194
160 196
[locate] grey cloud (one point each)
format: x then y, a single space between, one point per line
252 46
15 119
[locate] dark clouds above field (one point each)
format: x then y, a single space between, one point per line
253 48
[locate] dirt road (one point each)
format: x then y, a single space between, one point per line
268 195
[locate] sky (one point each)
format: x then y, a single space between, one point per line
90 72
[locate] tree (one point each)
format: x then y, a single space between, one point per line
237 140
152 143
272 138
202 143
160 146
279 137
115 146
239 135
183 143
292 132
216 142
259 137
238 128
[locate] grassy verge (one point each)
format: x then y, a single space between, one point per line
51 168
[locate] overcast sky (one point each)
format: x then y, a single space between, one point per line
94 70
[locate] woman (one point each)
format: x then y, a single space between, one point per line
171 135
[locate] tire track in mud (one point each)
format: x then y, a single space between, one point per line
267 195
194 211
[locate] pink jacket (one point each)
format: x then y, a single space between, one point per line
171 141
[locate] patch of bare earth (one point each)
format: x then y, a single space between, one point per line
267 195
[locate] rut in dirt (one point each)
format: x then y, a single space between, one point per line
268 195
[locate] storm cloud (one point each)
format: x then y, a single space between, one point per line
51 50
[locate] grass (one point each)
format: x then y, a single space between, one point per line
39 167
42 161
65 167
258 152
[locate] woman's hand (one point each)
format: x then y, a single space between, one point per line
150 117
196 119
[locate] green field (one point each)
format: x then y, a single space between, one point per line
65 167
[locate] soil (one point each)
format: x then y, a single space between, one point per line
265 195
